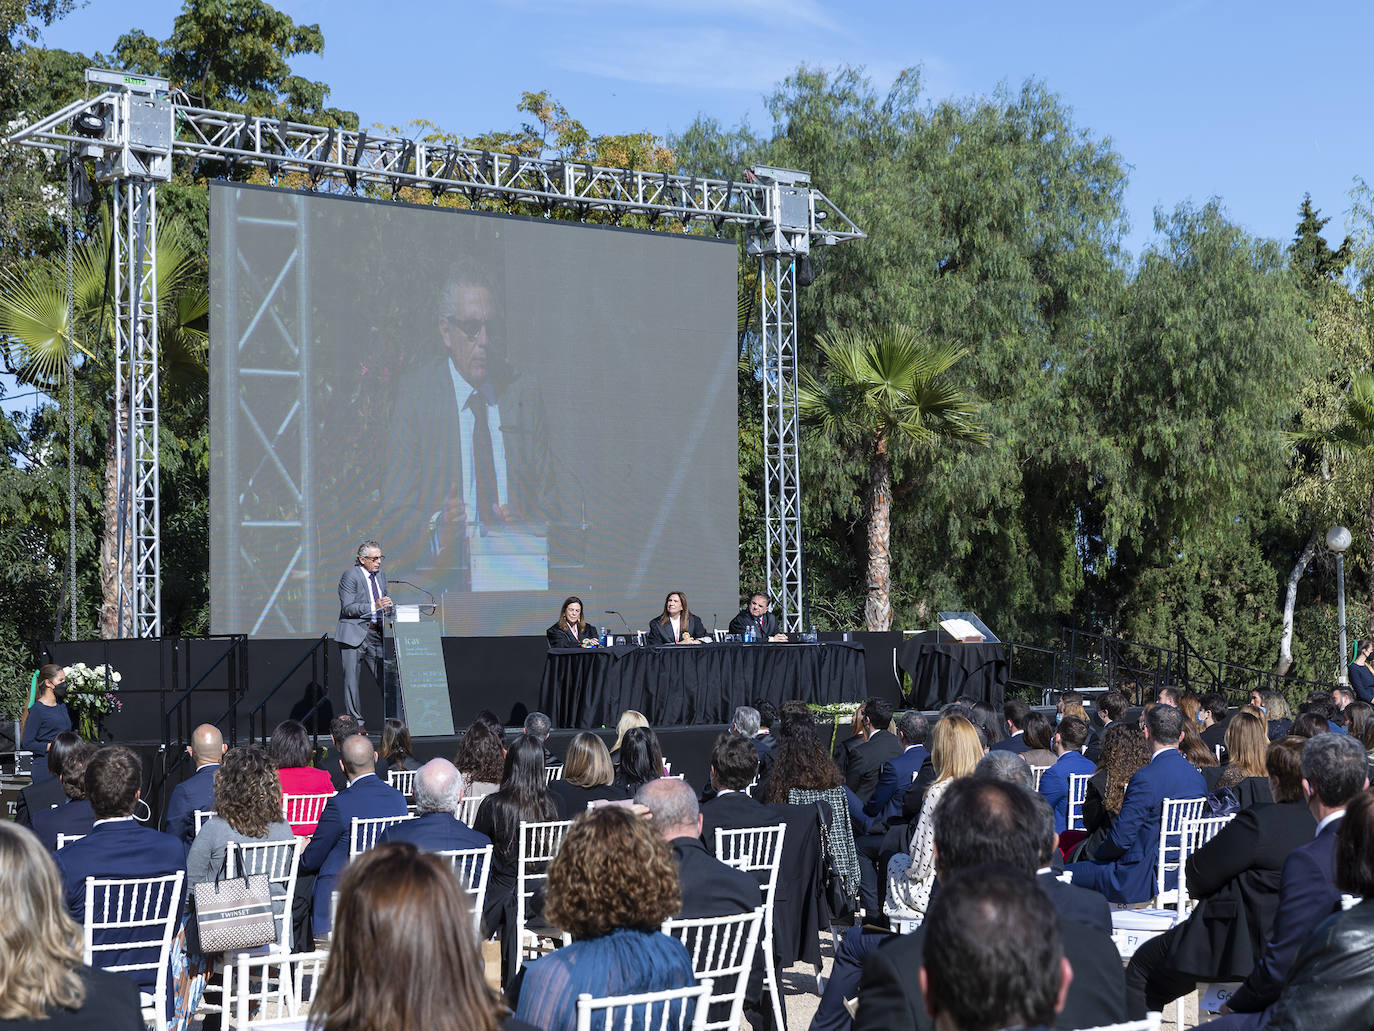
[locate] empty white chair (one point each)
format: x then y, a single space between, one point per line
758 850
402 780
1078 790
473 867
304 808
201 817
279 987
363 833
141 913
657 1011
722 950
539 843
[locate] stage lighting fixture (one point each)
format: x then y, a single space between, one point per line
91 122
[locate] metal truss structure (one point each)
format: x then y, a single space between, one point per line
138 126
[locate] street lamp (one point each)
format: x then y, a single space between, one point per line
1338 540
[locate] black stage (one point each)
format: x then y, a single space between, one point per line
692 684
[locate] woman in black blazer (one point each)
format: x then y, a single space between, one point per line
676 624
571 631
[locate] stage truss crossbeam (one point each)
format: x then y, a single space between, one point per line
150 126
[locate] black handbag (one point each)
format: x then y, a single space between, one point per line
838 899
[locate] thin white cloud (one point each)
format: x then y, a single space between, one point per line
779 15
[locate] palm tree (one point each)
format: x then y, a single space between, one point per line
881 393
1353 437
39 343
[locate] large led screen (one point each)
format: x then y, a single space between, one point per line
517 409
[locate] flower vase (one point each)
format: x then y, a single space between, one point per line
88 726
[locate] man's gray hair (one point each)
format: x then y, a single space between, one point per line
671 802
1334 766
913 727
746 720
1000 764
438 787
368 546
537 726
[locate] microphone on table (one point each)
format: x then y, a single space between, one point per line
613 612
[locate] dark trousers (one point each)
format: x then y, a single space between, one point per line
1150 983
845 974
369 652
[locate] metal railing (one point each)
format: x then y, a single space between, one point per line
259 727
235 686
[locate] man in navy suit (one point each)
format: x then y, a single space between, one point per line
74 816
1123 868
362 603
1333 772
198 790
1014 711
865 760
436 827
366 797
1069 739
870 819
117 846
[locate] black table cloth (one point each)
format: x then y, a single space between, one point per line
942 672
680 685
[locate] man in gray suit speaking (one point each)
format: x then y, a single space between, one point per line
362 603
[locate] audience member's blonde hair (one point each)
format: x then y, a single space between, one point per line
588 764
1275 706
629 719
955 748
40 944
1247 742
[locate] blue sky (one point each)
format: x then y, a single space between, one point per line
1254 103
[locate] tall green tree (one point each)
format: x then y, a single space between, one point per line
883 393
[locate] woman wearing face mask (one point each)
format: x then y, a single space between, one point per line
47 718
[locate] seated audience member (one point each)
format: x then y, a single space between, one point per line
1167 696
538 726
395 753
1014 713
641 760
1194 749
290 751
46 793
1069 738
1310 724
1189 704
708 887
1333 773
995 956
1212 717
403 953
197 791
629 719
1039 738
1320 702
1331 981
1124 751
864 758
46 718
1361 727
745 723
1245 774
1276 713
43 982
611 886
987 719
365 797
983 821
76 816
117 845
587 777
522 798
1123 866
481 758
768 717
435 826
1235 878
341 728
1111 708
249 810
733 765
1008 766
895 776
955 752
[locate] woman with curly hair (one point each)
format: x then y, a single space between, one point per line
43 983
481 757
641 760
247 808
1124 750
954 752
403 954
611 886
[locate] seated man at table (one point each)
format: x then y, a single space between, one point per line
759 618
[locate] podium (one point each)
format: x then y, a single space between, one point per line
417 683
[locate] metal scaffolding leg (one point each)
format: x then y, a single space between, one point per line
781 472
138 552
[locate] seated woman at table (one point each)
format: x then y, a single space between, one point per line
676 624
571 630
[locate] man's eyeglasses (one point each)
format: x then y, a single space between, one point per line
372 558
468 327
